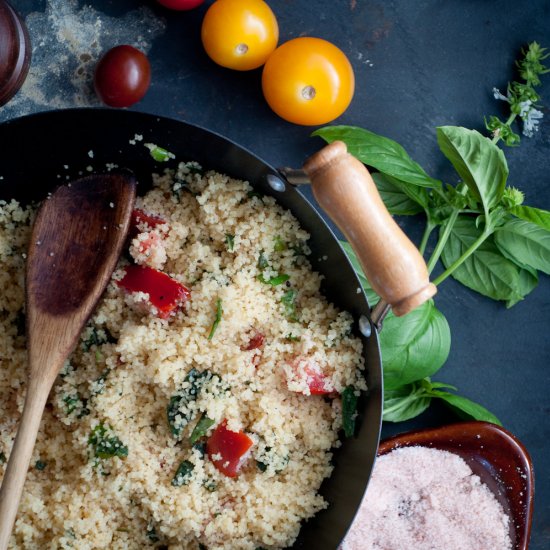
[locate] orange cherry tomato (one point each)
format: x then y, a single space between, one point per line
239 34
308 81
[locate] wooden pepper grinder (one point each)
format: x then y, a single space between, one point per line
15 52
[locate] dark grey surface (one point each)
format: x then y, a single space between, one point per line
430 63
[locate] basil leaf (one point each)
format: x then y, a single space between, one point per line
279 245
372 297
466 408
534 215
528 281
397 201
526 242
183 474
274 281
383 154
415 345
106 444
217 319
178 412
200 429
405 402
262 260
230 241
349 410
486 271
158 153
479 162
289 302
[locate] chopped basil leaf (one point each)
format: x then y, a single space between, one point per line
2 458
96 338
98 386
181 186
262 261
261 466
230 240
279 245
158 153
177 420
274 281
199 431
201 447
183 474
289 302
71 402
39 465
106 444
293 338
217 319
349 410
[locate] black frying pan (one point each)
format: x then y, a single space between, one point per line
34 151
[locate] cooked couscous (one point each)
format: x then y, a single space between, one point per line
201 405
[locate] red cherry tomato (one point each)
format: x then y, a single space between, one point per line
228 450
180 5
122 76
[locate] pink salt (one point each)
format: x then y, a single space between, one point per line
426 499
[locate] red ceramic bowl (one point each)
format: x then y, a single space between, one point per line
495 455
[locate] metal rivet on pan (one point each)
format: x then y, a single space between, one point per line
365 326
277 184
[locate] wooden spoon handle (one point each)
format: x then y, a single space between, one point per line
20 456
346 191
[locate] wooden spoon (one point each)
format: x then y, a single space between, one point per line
75 244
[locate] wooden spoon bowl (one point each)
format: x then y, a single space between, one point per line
495 455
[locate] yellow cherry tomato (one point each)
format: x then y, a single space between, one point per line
308 81
239 34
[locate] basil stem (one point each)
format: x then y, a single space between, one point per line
482 238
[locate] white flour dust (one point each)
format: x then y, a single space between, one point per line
67 40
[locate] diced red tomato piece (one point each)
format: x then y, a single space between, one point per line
140 219
304 369
255 342
318 383
165 293
228 450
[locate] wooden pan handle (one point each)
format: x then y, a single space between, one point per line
346 191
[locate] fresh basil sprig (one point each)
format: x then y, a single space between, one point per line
488 239
409 401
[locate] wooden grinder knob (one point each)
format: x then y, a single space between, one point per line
346 191
15 52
